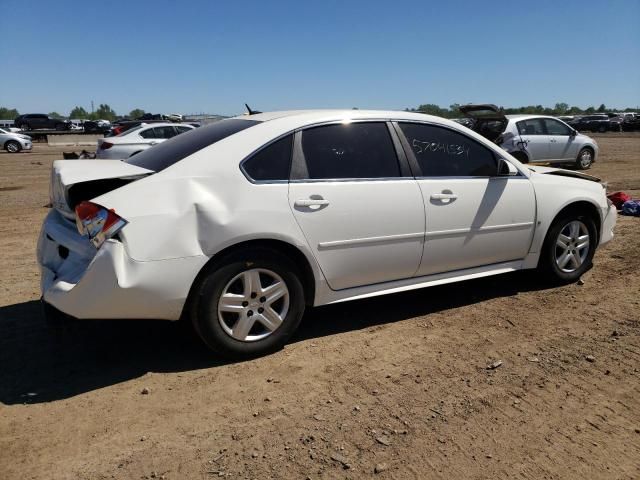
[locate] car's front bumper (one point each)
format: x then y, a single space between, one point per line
85 283
608 223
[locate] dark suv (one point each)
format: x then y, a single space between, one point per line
34 121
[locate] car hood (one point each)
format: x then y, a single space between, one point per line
96 177
564 173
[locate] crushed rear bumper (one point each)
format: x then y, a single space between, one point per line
87 283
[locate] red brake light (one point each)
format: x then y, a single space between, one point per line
105 145
97 223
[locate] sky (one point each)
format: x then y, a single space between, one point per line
213 56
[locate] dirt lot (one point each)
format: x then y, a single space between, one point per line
397 381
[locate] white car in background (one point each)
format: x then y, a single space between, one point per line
242 223
138 139
533 138
14 142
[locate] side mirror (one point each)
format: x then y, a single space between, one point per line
573 133
506 169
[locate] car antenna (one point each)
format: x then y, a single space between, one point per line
251 112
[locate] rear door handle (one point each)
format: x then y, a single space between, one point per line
311 202
443 196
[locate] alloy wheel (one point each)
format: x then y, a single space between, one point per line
253 305
572 246
585 158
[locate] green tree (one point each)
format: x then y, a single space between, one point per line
78 112
561 108
104 112
136 112
431 109
574 110
602 108
8 114
590 110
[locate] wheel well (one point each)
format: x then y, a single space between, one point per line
10 141
294 254
588 147
585 208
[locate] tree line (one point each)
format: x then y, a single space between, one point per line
103 112
558 110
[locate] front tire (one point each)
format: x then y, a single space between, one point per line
12 146
569 247
249 305
585 159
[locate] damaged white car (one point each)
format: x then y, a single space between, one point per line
241 224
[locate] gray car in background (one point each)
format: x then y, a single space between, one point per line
533 138
14 142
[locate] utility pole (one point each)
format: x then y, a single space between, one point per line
91 106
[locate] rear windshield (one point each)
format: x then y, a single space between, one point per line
181 146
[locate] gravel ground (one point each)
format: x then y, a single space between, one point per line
391 387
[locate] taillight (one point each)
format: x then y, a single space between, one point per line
105 145
97 223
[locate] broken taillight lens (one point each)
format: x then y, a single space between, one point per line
97 223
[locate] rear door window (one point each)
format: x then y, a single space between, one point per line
355 150
148 133
165 132
533 126
443 152
272 163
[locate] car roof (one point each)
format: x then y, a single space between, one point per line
528 116
305 117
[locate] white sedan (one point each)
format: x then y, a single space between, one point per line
239 225
137 139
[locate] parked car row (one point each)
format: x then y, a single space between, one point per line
605 122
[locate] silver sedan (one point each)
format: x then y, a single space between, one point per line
14 142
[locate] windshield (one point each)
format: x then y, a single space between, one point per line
181 146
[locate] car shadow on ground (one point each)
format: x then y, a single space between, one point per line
41 363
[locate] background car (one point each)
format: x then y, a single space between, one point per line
240 224
14 142
96 126
35 121
533 138
137 139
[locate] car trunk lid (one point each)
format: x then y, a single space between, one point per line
73 181
488 120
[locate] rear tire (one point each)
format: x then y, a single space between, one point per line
12 146
248 305
565 257
585 159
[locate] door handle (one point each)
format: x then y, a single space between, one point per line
443 196
553 140
311 202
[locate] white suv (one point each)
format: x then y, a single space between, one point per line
533 138
240 224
